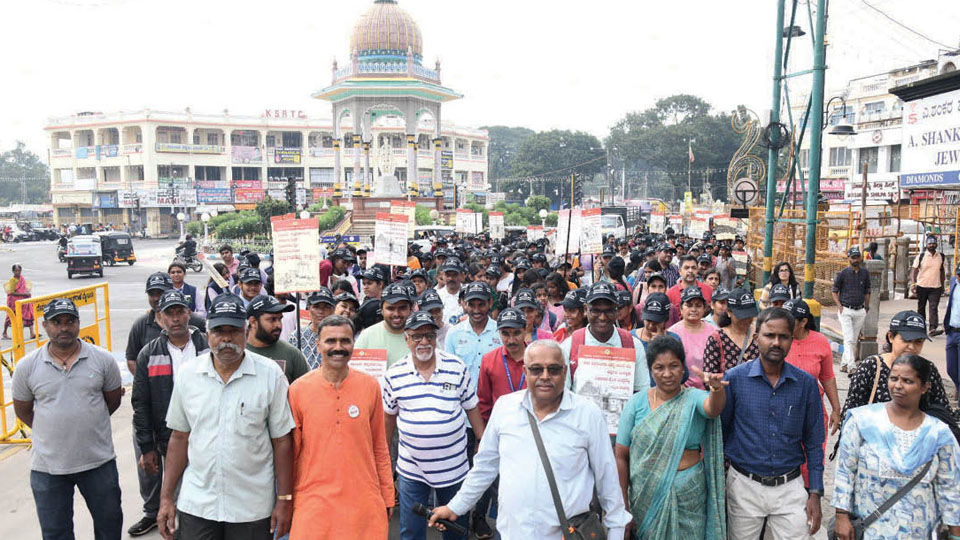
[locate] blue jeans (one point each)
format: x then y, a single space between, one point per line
414 527
100 487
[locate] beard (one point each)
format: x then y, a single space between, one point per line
265 336
424 354
722 318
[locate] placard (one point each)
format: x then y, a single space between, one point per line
497 230
605 375
658 222
725 227
591 234
296 259
698 226
675 221
465 221
390 239
406 208
477 223
534 233
568 232
373 362
740 262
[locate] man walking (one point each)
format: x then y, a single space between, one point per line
340 449
665 255
469 340
266 323
65 391
320 305
425 395
577 445
773 424
851 292
929 277
688 278
388 333
230 440
450 290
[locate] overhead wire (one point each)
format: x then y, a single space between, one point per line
905 27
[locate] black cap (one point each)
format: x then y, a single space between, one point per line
60 306
608 251
624 298
798 308
395 292
159 281
347 297
511 318
343 253
522 264
538 257
666 247
691 293
429 300
253 259
426 256
492 271
321 296
656 308
420 273
263 303
657 275
525 298
779 292
602 290
172 298
742 304
418 319
853 252
452 264
720 294
370 312
374 274
705 258
572 300
476 291
249 274
226 309
910 325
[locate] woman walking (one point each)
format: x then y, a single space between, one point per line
671 491
884 446
18 288
736 342
693 331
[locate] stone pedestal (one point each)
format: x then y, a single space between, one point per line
868 336
883 249
901 274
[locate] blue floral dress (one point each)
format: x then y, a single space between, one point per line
876 458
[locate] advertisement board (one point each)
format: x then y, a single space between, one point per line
247 195
931 142
240 155
289 156
214 195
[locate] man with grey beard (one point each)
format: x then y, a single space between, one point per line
425 394
230 440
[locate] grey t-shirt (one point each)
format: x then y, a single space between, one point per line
71 423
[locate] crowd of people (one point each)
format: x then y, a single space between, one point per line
248 425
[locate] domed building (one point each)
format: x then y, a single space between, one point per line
386 85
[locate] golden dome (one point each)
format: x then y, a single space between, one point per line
386 30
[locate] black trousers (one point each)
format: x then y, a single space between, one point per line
196 528
931 296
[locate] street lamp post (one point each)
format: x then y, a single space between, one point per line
543 217
180 218
205 218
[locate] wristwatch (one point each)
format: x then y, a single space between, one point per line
815 491
285 497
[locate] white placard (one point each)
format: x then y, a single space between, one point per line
296 259
605 375
568 232
497 231
534 233
373 362
658 222
465 221
390 239
591 235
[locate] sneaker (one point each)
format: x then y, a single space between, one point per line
936 332
481 528
142 527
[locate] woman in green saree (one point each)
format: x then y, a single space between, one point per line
672 488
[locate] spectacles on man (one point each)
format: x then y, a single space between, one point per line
430 336
552 369
612 312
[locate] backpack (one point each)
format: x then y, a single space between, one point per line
579 337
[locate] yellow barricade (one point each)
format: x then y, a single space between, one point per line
93 300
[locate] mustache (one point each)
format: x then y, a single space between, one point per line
339 352
228 347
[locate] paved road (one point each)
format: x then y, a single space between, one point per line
128 301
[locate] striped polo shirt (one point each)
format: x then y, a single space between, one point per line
430 418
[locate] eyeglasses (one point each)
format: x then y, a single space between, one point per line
604 312
552 369
421 337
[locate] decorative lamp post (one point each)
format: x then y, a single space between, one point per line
180 218
304 214
205 218
543 217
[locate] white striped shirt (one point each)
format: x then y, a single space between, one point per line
430 418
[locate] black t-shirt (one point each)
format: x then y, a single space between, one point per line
145 329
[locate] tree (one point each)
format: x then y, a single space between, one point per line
538 202
553 156
504 142
655 142
24 178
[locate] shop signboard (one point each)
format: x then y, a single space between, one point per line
931 142
214 195
247 195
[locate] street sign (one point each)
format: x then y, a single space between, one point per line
746 191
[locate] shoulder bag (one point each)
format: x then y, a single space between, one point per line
876 380
860 524
585 526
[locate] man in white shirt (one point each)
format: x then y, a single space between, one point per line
450 290
577 444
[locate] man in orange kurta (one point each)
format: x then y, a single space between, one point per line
343 480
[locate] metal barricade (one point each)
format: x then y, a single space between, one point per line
94 300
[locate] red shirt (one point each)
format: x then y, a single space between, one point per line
326 268
492 383
673 293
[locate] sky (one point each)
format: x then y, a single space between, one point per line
558 64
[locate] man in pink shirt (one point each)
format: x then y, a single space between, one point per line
688 278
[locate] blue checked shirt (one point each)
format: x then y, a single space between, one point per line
470 347
766 429
672 274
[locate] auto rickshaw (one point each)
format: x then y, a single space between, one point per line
84 256
117 247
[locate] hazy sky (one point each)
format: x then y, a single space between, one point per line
540 64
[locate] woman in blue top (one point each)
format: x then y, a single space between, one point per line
670 491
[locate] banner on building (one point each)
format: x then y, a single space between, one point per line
446 160
930 143
242 155
214 195
605 375
296 259
213 184
247 184
477 182
105 200
591 232
247 195
390 239
290 156
497 231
